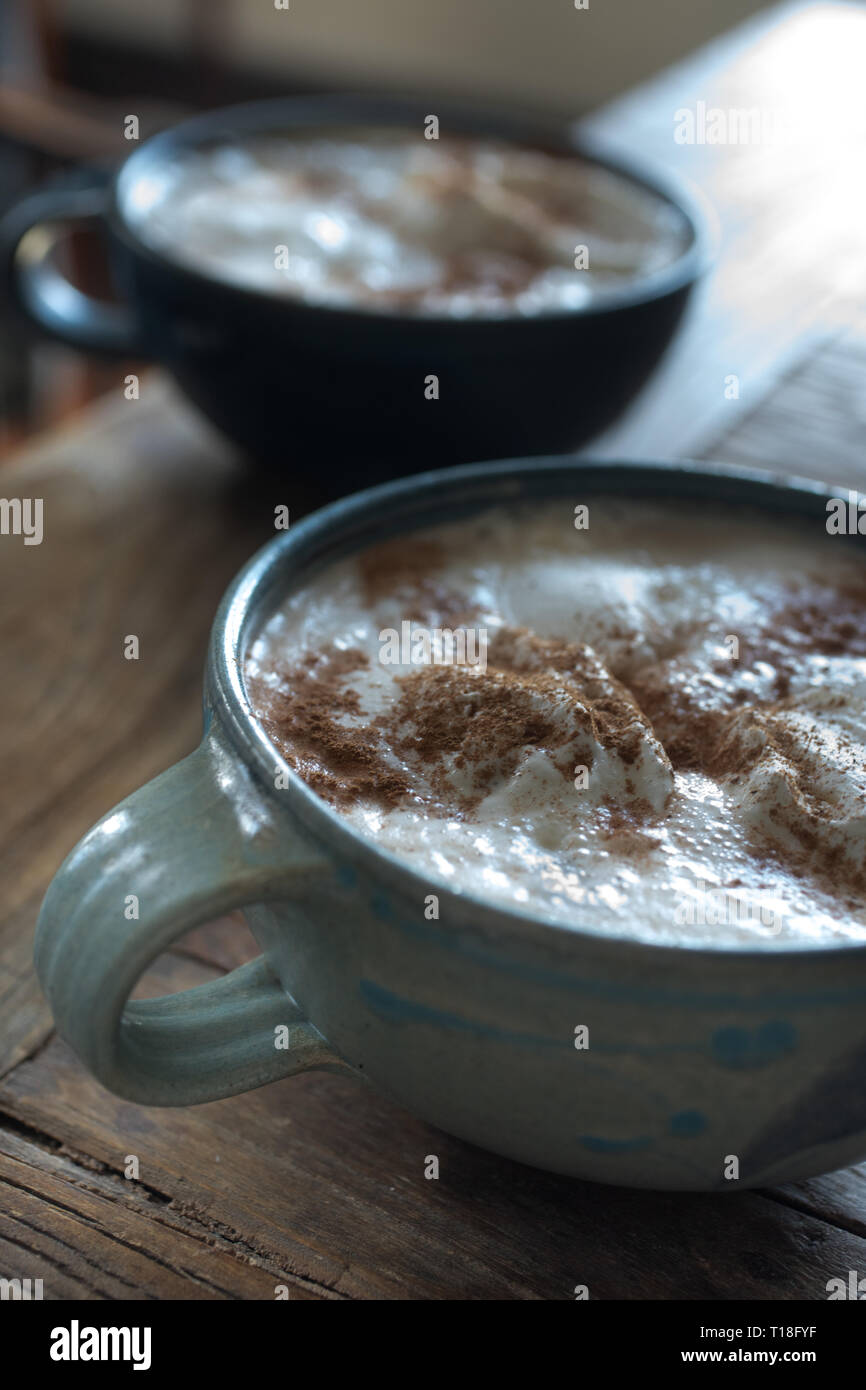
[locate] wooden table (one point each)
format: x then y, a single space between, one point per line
316 1182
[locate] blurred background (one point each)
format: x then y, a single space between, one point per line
70 70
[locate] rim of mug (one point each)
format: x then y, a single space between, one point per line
528 129
347 526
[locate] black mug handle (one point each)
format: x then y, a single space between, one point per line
29 235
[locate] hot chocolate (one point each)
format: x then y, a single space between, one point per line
385 219
645 719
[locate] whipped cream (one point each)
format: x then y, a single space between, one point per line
387 219
666 740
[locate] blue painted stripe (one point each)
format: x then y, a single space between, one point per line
396 1009
490 957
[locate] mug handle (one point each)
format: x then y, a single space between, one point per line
173 855
30 234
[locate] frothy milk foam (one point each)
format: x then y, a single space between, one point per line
665 739
387 220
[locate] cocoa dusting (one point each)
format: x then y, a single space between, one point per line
616 720
626 828
680 711
454 732
406 570
305 717
534 693
692 715
823 618
481 720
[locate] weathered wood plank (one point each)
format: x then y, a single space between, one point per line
88 1233
790 265
144 527
814 423
321 1177
839 1198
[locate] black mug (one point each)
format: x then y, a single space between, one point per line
340 391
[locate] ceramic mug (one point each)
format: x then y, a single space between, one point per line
696 1054
289 380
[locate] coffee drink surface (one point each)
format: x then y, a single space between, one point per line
383 219
652 727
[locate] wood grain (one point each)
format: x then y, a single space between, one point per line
146 519
324 1181
814 424
89 1233
318 1182
790 267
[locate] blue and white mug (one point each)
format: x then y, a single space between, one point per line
697 1055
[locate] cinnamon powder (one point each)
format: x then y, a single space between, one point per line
533 693
457 717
